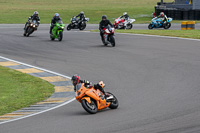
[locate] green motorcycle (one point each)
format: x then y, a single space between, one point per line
57 31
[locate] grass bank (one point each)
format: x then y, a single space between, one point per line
195 34
19 90
17 11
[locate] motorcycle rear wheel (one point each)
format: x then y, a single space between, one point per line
167 25
114 104
90 108
82 27
129 26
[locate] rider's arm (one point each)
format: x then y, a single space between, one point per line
52 22
110 23
166 19
29 18
100 26
86 82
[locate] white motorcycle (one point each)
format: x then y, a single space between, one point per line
123 24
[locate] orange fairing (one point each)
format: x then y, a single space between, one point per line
91 94
87 99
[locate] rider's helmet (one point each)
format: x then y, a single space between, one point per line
101 84
81 12
104 17
162 14
56 15
125 13
35 13
75 79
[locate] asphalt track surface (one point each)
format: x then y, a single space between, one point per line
155 79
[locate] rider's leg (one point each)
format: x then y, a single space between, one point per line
51 29
25 25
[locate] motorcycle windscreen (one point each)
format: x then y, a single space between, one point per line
78 87
60 22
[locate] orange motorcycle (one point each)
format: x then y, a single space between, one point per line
93 100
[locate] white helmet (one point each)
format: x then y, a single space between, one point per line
35 13
81 12
125 13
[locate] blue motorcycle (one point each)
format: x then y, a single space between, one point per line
158 23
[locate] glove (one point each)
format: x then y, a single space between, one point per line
101 31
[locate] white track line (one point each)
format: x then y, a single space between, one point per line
43 110
169 37
35 67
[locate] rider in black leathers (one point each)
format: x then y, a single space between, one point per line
103 24
33 17
76 80
125 16
53 21
81 17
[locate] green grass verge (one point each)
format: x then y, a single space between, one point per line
195 34
17 11
19 90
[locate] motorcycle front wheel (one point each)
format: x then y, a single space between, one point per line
90 108
60 36
29 31
150 26
69 27
112 40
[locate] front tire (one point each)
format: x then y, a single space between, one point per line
69 27
114 104
112 40
30 31
150 26
60 36
90 108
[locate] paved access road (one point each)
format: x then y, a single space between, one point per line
155 79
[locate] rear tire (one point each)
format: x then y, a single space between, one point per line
129 26
150 26
167 25
83 26
60 36
51 36
112 40
90 108
114 104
